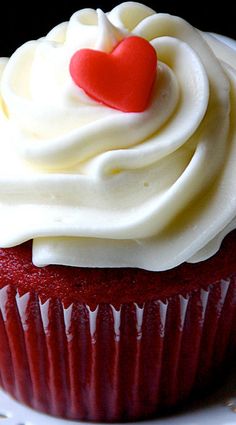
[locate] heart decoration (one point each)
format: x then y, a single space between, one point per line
122 79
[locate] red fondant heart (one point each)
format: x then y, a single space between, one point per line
122 79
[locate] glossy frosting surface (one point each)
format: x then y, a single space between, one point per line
97 187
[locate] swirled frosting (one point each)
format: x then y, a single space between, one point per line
97 187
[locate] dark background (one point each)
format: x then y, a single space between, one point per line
25 21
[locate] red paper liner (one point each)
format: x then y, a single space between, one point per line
113 364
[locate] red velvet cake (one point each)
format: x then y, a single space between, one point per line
118 215
113 344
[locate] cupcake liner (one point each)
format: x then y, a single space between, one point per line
114 363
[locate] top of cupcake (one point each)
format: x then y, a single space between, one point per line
103 173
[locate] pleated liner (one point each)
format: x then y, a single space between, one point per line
113 364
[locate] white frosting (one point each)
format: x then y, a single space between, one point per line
97 187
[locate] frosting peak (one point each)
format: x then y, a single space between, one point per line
109 35
95 186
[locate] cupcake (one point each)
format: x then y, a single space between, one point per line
118 215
